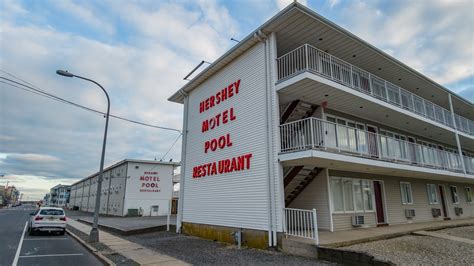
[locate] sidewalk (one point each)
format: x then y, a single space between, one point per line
349 237
132 225
136 252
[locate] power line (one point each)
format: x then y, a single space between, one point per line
38 91
172 145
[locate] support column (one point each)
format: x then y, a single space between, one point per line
456 133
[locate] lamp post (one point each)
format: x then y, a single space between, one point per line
94 234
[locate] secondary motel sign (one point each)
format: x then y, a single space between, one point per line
226 165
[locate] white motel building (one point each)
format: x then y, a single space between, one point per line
301 115
129 188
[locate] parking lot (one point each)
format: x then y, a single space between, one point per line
19 248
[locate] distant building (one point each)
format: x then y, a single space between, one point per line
10 195
59 195
46 199
129 187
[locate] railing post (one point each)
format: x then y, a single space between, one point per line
312 132
352 79
330 65
306 56
315 228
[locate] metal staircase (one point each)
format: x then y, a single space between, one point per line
296 179
297 110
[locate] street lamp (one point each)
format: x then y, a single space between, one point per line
94 234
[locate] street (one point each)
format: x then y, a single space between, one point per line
18 248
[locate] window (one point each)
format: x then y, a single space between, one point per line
407 196
454 194
432 195
349 195
468 194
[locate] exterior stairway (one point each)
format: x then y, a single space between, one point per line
296 179
296 110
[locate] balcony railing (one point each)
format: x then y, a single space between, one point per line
313 133
309 58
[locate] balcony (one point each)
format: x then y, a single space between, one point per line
315 134
310 59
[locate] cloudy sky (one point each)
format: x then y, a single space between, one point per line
141 50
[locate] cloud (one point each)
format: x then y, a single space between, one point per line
159 45
435 39
85 15
31 158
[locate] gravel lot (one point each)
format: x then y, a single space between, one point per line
412 249
464 232
198 251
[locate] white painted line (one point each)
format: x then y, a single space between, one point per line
15 260
39 239
51 255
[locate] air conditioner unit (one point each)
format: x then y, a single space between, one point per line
358 220
410 213
458 211
436 212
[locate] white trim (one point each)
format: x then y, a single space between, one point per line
411 193
436 194
470 194
452 194
353 179
331 220
374 163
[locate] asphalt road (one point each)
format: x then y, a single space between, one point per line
40 249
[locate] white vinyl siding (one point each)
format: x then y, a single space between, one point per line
406 192
432 193
454 195
238 199
351 195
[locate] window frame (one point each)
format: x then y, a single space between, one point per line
429 194
372 198
411 193
453 194
470 195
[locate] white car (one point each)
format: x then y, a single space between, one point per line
47 219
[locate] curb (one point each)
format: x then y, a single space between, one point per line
94 251
159 228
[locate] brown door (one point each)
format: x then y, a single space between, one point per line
379 202
174 206
372 141
443 201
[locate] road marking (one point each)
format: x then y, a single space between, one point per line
15 261
51 255
39 239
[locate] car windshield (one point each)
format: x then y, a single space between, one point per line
51 212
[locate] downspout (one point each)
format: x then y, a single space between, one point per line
179 220
461 157
262 38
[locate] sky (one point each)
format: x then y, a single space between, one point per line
141 50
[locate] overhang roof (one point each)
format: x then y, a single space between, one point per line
295 25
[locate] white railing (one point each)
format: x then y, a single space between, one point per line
313 133
309 58
301 223
469 163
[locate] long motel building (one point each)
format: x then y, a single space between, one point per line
129 188
304 127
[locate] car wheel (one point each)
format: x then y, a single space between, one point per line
31 232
